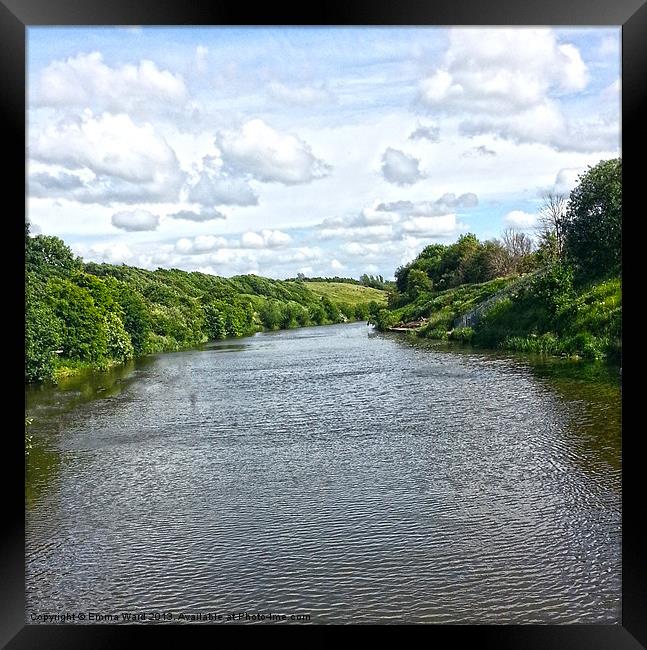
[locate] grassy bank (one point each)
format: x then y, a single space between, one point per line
547 314
342 293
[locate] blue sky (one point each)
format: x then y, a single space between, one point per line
327 151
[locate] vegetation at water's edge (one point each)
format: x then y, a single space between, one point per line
97 315
562 296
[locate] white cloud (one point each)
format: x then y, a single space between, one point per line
110 253
299 95
86 81
268 155
400 168
221 190
510 82
520 220
445 204
135 220
442 226
336 265
200 244
130 163
202 215
265 239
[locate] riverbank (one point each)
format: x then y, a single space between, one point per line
70 369
81 315
548 314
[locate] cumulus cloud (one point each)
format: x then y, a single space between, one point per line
135 220
497 69
199 244
221 190
129 163
510 82
300 95
257 150
201 215
110 253
520 220
400 168
265 239
86 81
371 224
431 133
386 223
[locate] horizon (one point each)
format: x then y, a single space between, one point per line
322 151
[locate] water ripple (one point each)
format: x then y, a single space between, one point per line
327 472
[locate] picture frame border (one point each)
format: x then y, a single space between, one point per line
16 16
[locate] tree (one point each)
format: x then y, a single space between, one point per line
49 255
594 220
418 282
84 329
43 335
518 246
551 223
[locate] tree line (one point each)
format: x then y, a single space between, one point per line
93 314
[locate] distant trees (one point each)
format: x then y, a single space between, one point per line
518 246
469 260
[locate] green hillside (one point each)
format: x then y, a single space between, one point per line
347 293
96 315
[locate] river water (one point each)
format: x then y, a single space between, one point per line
332 473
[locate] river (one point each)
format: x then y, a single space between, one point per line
332 473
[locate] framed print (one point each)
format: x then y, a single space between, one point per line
324 321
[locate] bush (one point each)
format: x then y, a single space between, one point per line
462 334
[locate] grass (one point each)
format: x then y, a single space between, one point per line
442 308
584 322
354 294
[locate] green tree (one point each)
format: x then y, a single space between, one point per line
594 220
418 282
43 336
84 328
49 255
118 344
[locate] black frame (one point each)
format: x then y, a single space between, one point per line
16 15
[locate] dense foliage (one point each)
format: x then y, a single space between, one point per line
562 296
594 220
98 314
468 261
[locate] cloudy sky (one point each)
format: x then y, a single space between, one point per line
326 151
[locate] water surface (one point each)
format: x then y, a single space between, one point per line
332 472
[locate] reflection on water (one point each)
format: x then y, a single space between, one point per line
331 471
